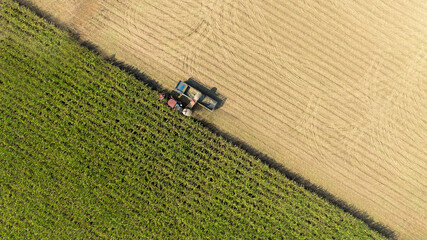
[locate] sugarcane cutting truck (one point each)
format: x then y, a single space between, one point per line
195 96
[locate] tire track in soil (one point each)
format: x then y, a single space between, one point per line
274 117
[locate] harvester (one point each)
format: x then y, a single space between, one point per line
190 94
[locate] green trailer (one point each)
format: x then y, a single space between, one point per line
195 96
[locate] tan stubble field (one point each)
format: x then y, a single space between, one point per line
334 90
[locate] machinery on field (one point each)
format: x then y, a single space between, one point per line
191 95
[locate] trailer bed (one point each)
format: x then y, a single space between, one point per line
190 92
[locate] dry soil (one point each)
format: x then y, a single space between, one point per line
334 90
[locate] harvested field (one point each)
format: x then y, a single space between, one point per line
336 91
87 151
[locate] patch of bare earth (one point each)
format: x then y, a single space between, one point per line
334 90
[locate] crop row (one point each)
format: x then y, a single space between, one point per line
88 151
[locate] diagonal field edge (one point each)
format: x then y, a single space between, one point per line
156 86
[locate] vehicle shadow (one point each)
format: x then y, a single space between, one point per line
212 92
